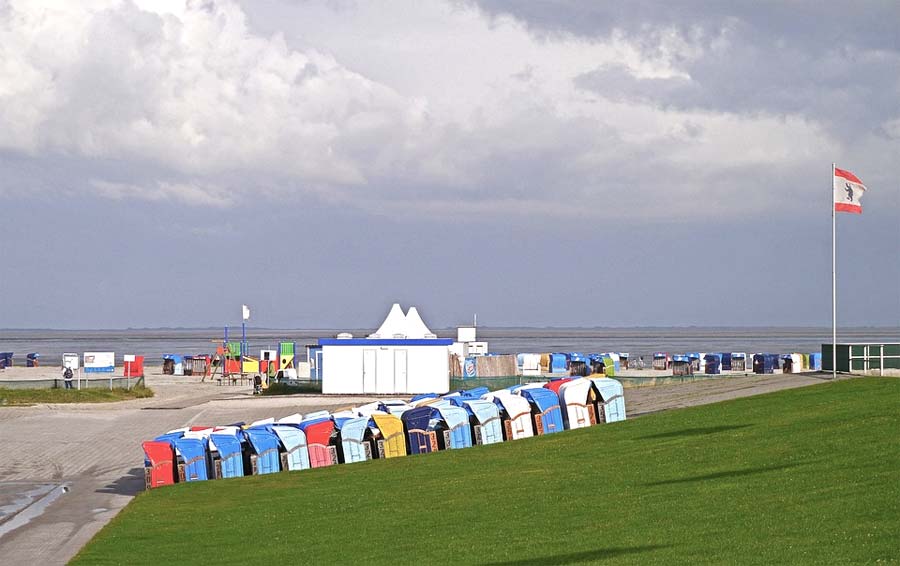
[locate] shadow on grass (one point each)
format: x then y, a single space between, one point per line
285 389
693 431
576 557
131 483
727 474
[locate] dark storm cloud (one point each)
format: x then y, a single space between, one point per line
817 25
834 62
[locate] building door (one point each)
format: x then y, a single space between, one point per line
369 373
317 375
400 371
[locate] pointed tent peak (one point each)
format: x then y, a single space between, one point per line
415 327
394 323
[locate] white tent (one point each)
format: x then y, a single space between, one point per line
394 324
415 328
404 326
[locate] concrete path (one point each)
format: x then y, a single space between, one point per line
66 470
651 399
94 452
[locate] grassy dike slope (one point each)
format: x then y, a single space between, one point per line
810 475
24 397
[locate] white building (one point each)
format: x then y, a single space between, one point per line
401 357
466 343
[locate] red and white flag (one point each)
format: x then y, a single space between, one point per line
848 189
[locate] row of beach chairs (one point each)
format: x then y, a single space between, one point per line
383 429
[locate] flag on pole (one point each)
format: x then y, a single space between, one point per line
246 312
848 189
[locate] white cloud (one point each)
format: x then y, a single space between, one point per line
191 90
397 102
185 193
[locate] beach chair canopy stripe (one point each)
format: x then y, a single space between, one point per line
193 451
555 384
607 388
230 454
558 363
170 437
457 420
353 432
461 400
541 397
293 441
475 391
547 403
391 429
421 396
296 418
487 415
611 393
418 423
316 415
265 444
417 418
575 399
160 458
318 439
517 409
318 431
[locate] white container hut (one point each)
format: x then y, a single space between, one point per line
402 357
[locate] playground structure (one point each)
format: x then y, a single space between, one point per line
233 363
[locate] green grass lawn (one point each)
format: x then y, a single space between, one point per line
31 396
810 475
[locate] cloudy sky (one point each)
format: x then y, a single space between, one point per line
559 163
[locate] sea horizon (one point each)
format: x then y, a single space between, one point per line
480 327
638 341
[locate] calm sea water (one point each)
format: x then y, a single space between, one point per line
51 344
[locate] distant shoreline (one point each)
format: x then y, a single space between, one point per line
453 328
153 343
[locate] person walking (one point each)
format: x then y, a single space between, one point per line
67 377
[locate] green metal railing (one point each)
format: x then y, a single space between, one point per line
862 357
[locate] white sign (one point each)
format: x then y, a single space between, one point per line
128 358
99 362
70 361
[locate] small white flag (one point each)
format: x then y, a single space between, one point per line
246 311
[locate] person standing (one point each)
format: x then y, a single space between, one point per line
270 372
67 377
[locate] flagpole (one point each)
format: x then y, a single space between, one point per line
833 284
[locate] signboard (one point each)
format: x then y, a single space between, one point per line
469 370
99 362
70 361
